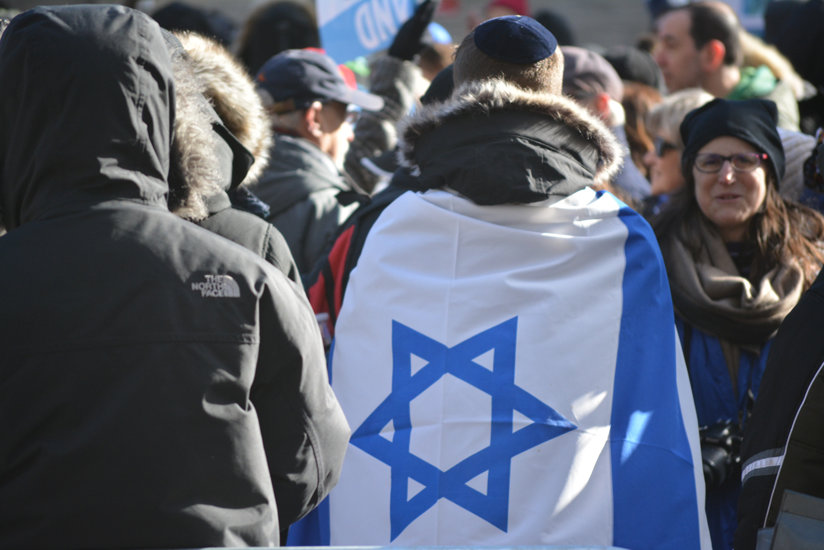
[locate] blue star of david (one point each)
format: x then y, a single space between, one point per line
504 444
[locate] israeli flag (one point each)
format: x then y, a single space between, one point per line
512 376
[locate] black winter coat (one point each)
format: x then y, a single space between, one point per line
783 446
159 386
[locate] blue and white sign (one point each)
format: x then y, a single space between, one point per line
353 28
513 377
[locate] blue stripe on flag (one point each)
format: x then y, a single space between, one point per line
312 530
654 494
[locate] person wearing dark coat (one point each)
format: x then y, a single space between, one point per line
783 447
160 386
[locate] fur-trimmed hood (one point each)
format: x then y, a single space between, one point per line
494 142
233 96
196 169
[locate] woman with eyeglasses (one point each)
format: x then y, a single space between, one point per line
664 160
738 257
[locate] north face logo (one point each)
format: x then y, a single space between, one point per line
217 286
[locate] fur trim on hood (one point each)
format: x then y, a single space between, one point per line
487 97
233 96
194 173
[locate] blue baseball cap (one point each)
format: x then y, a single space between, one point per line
515 39
294 79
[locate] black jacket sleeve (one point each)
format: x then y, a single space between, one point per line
305 433
779 447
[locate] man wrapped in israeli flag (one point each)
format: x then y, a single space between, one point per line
506 352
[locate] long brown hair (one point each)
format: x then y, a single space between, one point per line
782 230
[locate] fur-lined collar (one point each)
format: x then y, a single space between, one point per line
590 148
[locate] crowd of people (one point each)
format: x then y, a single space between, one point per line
512 290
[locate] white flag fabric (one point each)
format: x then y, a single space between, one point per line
512 376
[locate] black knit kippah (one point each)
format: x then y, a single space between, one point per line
515 39
751 120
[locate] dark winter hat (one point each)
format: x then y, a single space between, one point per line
588 73
515 39
752 120
295 78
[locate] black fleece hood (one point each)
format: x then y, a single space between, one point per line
86 111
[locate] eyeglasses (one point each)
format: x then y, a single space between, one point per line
710 163
661 146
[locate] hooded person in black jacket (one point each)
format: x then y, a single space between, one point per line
159 386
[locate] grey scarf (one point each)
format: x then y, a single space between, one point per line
709 293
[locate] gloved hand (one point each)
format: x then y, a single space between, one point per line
408 42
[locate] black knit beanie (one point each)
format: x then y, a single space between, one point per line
752 120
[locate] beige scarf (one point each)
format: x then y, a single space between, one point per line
709 293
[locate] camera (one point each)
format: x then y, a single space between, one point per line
720 452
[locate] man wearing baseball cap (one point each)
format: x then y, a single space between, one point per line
309 103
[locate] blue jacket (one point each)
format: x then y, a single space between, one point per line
716 400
